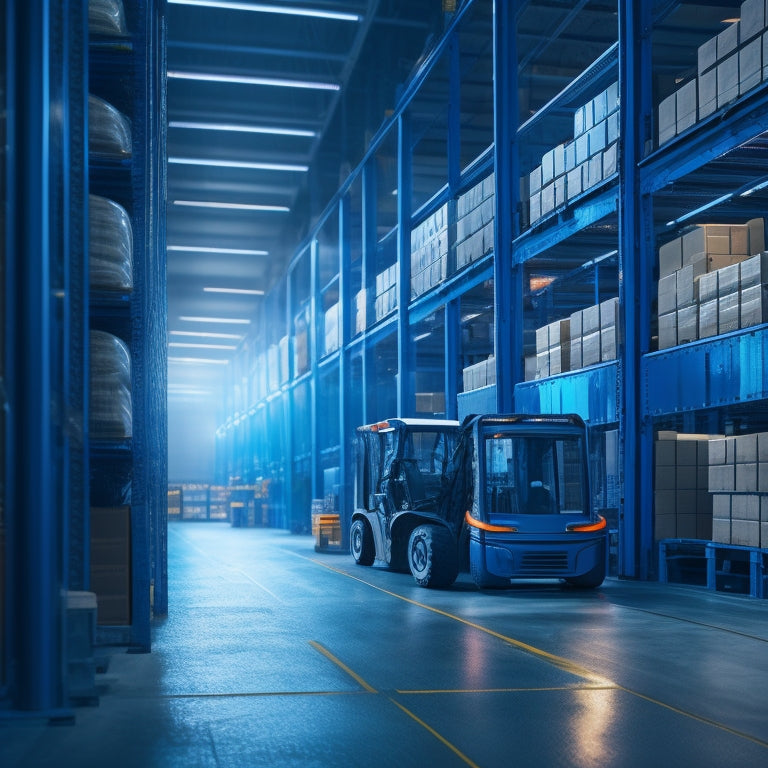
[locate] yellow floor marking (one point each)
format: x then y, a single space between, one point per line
565 664
339 663
558 661
440 738
511 690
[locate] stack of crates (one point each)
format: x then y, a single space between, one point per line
475 222
386 292
429 252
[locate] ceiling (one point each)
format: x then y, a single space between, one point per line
271 104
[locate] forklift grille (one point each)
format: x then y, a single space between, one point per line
544 562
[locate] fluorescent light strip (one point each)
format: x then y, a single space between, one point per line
225 320
196 360
239 291
276 82
201 346
243 129
232 206
237 164
223 251
262 8
182 391
204 335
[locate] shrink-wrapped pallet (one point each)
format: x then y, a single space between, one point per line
109 130
110 415
110 248
107 17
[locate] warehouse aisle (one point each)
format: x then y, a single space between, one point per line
274 655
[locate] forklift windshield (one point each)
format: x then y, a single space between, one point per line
527 474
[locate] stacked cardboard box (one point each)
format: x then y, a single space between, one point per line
429 252
700 282
553 348
430 402
386 292
575 166
475 211
729 65
738 482
682 503
332 329
589 336
481 374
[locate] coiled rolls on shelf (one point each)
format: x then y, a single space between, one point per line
107 17
110 248
109 130
110 416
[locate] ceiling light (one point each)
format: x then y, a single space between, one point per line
223 251
278 82
239 291
422 336
242 128
237 164
187 391
231 320
204 335
202 360
232 206
262 8
201 346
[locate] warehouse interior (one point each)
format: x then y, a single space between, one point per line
236 231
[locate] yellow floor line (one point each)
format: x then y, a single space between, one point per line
573 688
440 738
339 663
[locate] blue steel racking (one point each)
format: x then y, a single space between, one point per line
48 66
603 243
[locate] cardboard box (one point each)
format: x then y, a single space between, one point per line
756 228
667 296
576 324
547 198
687 324
595 169
708 325
707 55
686 452
558 154
574 182
597 137
762 446
665 526
728 80
745 506
612 98
728 317
753 271
609 343
612 130
707 87
590 349
746 478
751 19
684 288
577 360
717 451
745 533
609 312
708 285
728 280
542 339
750 66
686 104
579 121
535 207
686 478
547 167
667 119
582 148
670 257
590 319
542 364
668 330
665 478
560 359
722 478
704 527
664 503
727 41
745 448
610 160
665 453
686 525
721 530
721 505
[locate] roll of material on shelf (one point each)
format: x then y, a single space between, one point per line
107 17
110 248
110 415
109 130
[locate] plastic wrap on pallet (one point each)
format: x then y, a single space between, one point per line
110 415
109 130
107 17
110 247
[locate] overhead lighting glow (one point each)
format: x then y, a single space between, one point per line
232 206
262 129
238 164
276 82
262 8
196 360
422 336
201 346
187 391
239 291
223 251
225 320
207 335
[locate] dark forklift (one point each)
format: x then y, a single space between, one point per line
509 495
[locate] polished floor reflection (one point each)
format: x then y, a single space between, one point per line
275 655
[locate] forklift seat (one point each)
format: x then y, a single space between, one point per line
414 482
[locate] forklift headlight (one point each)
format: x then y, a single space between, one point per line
487 526
587 527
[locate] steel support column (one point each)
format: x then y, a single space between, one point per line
405 372
315 316
635 246
345 396
34 525
508 286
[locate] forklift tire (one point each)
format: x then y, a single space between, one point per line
432 556
361 542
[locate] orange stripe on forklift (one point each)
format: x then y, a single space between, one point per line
487 526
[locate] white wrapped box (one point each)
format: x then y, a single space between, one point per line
753 271
574 183
685 293
750 65
686 105
670 257
728 280
708 325
667 119
753 307
707 93
727 41
728 313
728 80
668 330
590 349
751 19
610 160
687 324
707 55
609 343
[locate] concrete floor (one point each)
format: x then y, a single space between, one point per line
275 655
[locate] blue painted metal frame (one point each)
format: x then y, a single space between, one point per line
726 370
405 387
590 392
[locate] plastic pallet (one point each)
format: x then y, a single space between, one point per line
730 566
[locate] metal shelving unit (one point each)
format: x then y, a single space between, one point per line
598 244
